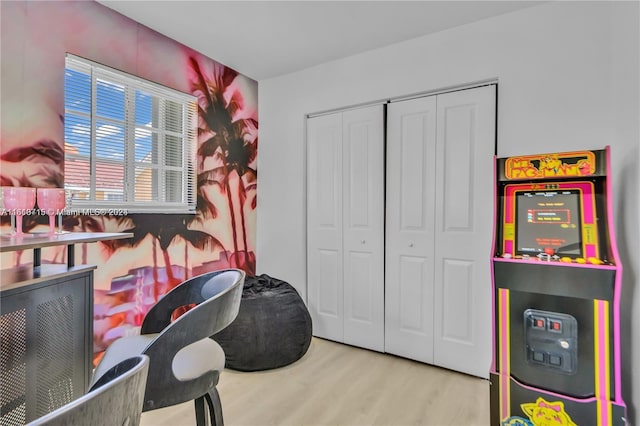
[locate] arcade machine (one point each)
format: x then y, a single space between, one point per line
556 287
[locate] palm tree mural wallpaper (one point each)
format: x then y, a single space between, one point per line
166 248
227 147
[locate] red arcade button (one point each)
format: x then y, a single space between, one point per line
538 323
555 326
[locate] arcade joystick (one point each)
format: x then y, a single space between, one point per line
549 251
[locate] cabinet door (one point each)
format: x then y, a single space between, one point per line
411 144
47 345
324 225
363 226
463 232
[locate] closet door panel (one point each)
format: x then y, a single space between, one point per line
411 130
457 276
324 225
464 200
329 300
363 226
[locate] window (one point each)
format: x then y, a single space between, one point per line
129 143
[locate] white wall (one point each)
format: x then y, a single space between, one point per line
568 79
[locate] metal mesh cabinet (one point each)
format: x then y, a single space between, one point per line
46 345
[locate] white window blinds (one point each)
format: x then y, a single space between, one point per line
129 143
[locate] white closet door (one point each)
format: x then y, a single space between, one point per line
363 226
324 225
411 145
464 215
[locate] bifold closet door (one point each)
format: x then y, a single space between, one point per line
440 153
363 226
411 168
324 225
465 150
345 226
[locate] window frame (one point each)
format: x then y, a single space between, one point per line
159 170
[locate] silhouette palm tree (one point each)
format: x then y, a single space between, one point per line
140 226
164 229
233 142
172 226
86 224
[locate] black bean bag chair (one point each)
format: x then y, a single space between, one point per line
272 329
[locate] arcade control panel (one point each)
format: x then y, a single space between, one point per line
551 340
550 257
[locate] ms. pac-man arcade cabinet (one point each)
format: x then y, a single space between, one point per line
556 287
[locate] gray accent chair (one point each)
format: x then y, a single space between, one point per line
185 364
114 400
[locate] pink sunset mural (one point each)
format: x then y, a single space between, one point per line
166 248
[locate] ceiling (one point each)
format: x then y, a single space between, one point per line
264 39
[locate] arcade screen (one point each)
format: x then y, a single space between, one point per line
548 219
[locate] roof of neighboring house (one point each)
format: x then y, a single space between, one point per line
108 174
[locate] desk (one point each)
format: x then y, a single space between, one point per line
46 327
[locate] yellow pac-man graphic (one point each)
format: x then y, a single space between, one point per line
544 413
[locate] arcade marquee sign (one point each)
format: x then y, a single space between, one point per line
545 166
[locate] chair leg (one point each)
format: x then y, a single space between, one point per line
215 407
201 415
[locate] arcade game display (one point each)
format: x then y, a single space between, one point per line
556 288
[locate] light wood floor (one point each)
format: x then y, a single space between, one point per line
335 384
